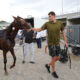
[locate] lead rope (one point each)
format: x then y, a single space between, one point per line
68 55
69 58
20 45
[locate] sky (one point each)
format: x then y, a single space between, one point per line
35 8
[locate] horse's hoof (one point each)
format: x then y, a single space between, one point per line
11 66
6 73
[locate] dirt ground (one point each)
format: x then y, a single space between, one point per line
38 71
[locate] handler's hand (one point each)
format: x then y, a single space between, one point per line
66 45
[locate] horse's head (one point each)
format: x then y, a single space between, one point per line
20 23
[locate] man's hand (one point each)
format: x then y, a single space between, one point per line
21 42
66 45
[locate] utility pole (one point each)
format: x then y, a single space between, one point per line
77 5
62 6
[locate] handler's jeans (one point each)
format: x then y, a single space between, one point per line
38 40
28 47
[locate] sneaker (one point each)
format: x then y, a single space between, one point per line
32 62
23 62
47 67
55 75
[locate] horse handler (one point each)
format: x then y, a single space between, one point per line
28 46
53 28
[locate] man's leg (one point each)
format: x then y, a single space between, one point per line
25 52
37 40
57 52
57 58
52 63
53 60
32 53
40 43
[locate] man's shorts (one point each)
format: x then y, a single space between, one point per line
54 50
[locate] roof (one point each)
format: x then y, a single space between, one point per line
69 15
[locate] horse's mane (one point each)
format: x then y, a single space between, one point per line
9 29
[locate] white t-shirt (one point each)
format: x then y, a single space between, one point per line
38 35
19 32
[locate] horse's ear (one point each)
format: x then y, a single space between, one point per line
19 17
14 17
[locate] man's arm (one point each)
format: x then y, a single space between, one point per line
41 28
36 29
64 36
46 49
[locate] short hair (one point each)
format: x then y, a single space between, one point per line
52 13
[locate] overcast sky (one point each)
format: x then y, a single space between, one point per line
36 8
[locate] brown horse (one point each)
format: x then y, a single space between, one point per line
7 39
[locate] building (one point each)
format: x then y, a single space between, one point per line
72 21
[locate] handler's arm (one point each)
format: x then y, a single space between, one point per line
64 37
36 29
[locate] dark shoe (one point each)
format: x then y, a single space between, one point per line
23 62
47 67
32 62
55 75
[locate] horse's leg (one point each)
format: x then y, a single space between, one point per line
5 61
14 57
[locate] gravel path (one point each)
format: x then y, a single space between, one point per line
38 71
